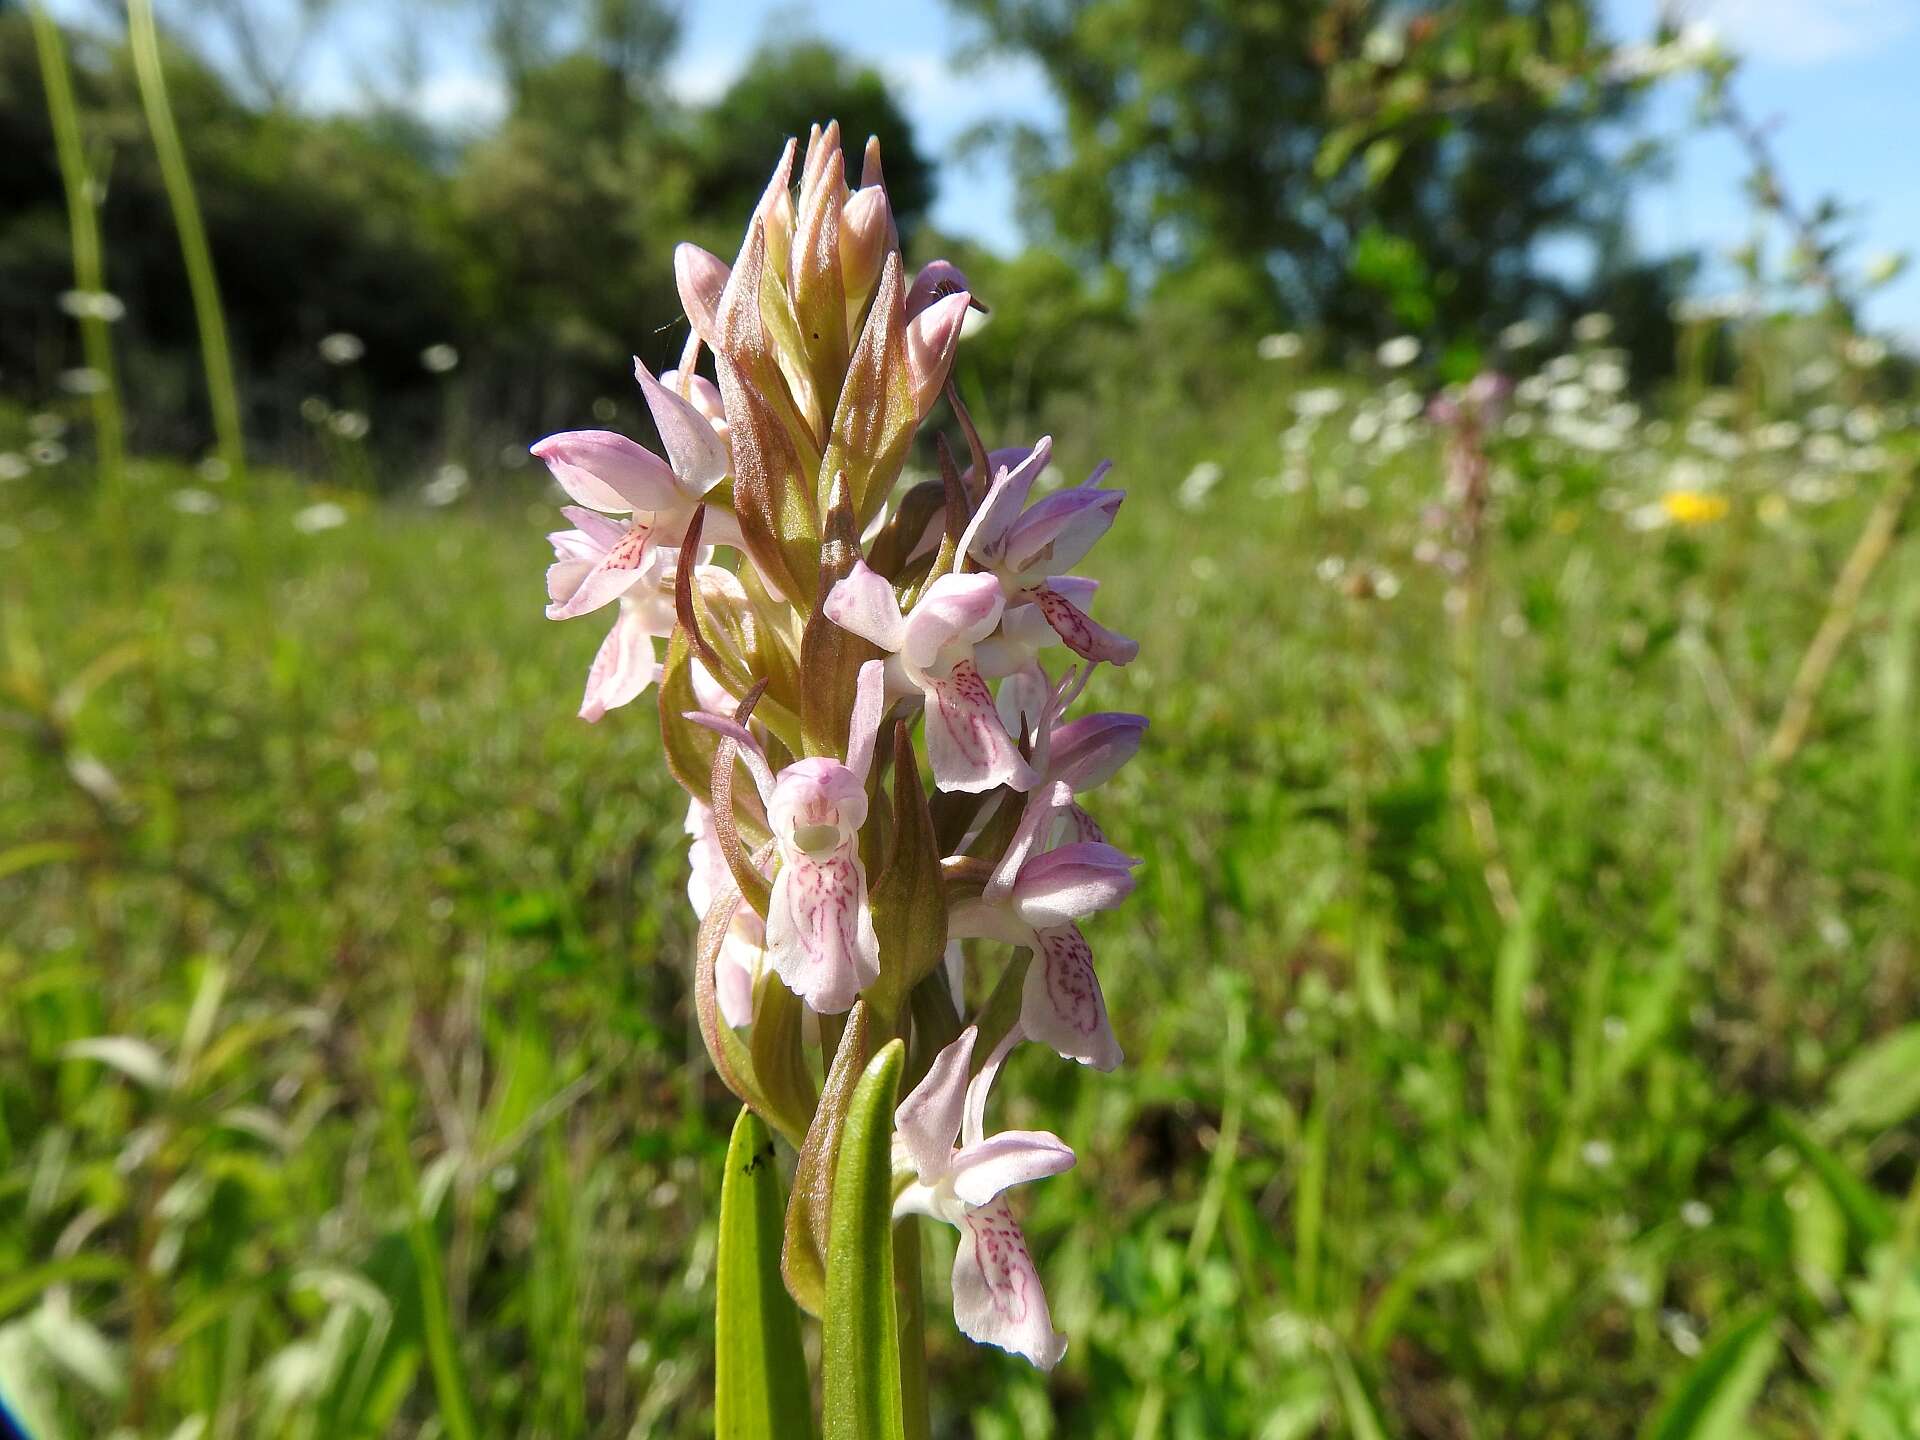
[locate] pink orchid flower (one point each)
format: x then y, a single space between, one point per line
819 932
997 1295
932 649
1033 898
1081 754
609 473
1029 548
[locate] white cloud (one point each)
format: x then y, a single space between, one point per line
1810 32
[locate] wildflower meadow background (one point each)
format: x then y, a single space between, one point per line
1518 991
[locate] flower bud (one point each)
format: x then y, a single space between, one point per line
932 337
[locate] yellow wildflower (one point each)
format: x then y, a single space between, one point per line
1693 507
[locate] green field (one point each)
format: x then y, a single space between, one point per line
1593 1118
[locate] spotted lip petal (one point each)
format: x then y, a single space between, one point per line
624 563
997 1296
967 746
820 936
1061 1004
1079 631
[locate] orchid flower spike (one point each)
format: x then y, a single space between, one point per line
820 938
959 1176
932 652
1030 549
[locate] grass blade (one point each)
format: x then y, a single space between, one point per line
1712 1401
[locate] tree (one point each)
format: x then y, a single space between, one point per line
1325 144
787 85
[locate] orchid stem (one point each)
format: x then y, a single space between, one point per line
910 1310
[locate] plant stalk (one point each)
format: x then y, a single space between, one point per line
89 274
222 394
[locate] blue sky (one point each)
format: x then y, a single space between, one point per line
1837 75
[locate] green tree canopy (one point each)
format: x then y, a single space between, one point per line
1376 165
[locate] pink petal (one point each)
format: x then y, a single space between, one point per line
869 701
1071 882
818 791
733 972
1012 1157
929 1118
1061 1005
1081 633
955 610
986 534
608 471
997 1298
864 603
599 531
967 746
932 338
866 234
937 280
1044 803
608 579
623 667
1056 533
820 937
1088 751
700 458
1023 698
700 276
702 394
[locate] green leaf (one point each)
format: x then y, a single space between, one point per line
760 1373
860 1351
135 1059
1878 1088
1867 1215
1363 1414
1712 1399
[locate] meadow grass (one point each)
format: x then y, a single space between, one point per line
404 1126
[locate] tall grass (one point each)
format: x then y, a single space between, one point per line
216 358
89 270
